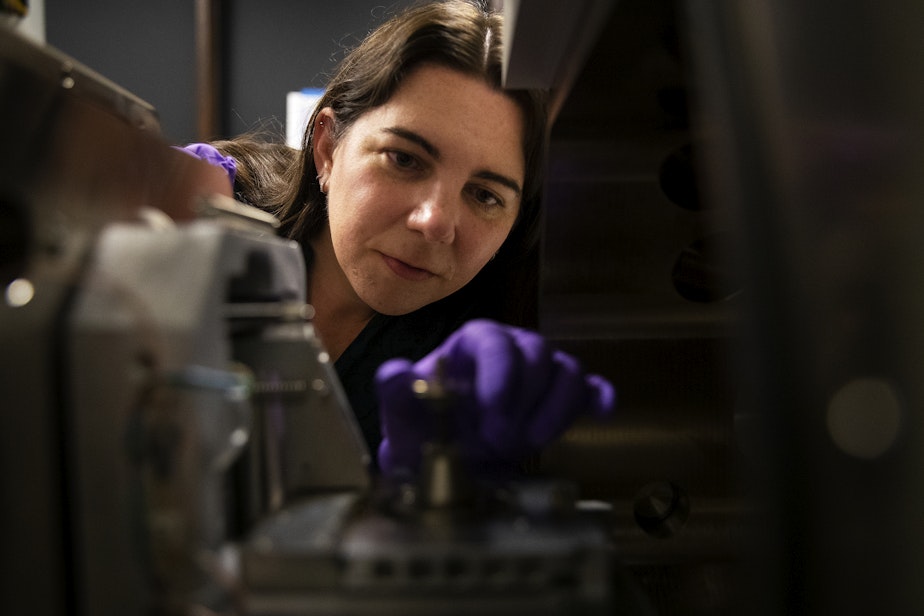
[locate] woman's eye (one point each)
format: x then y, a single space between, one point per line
486 197
403 160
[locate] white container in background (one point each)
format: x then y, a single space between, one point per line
299 107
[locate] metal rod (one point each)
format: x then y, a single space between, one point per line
208 69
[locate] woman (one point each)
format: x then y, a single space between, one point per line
414 194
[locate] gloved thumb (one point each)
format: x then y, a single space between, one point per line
404 419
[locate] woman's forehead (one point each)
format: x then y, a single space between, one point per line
457 114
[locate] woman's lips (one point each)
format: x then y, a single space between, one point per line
408 272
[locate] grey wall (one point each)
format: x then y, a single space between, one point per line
276 46
146 47
272 47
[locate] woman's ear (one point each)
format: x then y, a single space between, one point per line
323 145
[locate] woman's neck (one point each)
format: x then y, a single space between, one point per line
339 313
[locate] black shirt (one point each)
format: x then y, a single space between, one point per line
409 336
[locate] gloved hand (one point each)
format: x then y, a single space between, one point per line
511 394
211 155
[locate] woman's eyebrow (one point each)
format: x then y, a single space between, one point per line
410 135
434 152
500 179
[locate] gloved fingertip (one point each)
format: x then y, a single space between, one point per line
393 369
392 465
604 396
394 387
454 361
403 427
481 327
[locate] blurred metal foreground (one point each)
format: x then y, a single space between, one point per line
733 236
78 153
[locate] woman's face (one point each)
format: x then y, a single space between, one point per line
423 190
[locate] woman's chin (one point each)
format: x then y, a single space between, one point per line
397 304
397 308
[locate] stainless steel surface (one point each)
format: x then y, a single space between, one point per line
158 412
732 236
537 56
305 440
398 554
636 284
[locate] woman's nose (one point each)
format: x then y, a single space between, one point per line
436 217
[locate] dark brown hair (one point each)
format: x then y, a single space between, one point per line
261 163
455 34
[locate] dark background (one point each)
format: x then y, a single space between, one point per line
271 47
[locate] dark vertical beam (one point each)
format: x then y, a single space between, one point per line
208 69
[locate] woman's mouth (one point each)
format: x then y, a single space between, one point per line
405 270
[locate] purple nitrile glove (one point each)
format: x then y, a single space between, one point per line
511 395
211 155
